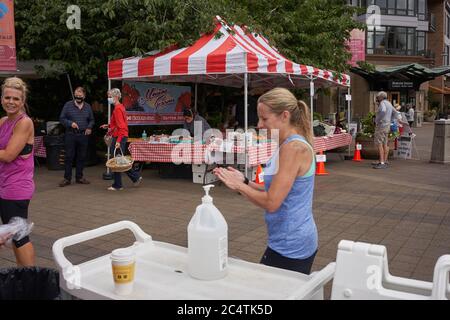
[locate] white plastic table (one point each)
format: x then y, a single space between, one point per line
161 273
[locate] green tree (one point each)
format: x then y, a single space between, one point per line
306 31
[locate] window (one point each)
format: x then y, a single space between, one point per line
421 41
446 60
382 4
411 7
395 41
362 3
422 10
447 25
376 40
399 7
410 41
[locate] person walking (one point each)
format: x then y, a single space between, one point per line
287 194
118 128
410 115
78 119
384 115
16 163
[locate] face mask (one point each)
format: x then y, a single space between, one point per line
111 100
79 99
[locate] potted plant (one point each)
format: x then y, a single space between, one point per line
429 115
366 138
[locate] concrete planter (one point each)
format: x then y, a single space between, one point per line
370 150
429 118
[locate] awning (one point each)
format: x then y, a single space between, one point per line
222 58
414 72
445 90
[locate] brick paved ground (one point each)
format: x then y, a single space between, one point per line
406 208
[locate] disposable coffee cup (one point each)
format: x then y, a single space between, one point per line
123 263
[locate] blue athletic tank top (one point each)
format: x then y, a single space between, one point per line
291 229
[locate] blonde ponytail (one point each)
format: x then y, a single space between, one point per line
280 100
303 122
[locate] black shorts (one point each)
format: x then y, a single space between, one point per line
14 208
274 259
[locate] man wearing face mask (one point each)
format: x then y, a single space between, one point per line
78 119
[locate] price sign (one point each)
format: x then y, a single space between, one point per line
321 158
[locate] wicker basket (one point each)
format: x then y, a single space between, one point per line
117 164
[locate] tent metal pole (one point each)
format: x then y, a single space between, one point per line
109 120
246 119
70 85
311 95
195 97
108 174
349 119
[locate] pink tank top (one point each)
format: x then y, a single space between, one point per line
16 177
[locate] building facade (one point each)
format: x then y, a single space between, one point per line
408 42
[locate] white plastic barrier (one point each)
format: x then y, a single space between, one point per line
161 273
362 274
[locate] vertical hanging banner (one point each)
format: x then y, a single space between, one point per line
7 36
155 104
357 46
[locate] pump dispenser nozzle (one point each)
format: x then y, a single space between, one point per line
207 198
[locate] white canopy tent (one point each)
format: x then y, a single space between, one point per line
229 56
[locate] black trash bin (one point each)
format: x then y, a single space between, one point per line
54 146
29 283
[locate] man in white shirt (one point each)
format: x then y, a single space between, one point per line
385 113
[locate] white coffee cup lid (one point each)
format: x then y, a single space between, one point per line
122 254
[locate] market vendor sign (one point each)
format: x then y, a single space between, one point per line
154 104
7 37
394 84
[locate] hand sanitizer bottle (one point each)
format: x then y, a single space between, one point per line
207 241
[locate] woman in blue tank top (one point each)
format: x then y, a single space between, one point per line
289 183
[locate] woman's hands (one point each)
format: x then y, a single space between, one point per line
230 176
4 239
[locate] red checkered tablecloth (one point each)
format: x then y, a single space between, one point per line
39 148
196 153
332 142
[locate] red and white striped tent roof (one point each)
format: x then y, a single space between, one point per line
222 58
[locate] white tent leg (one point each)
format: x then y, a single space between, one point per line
311 95
109 120
349 101
195 97
246 120
70 85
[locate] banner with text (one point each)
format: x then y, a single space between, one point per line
357 46
7 37
154 104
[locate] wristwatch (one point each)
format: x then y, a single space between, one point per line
246 181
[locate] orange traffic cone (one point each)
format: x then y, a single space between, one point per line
357 155
320 167
259 176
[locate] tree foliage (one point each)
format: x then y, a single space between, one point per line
306 31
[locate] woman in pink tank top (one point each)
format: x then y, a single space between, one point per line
16 163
